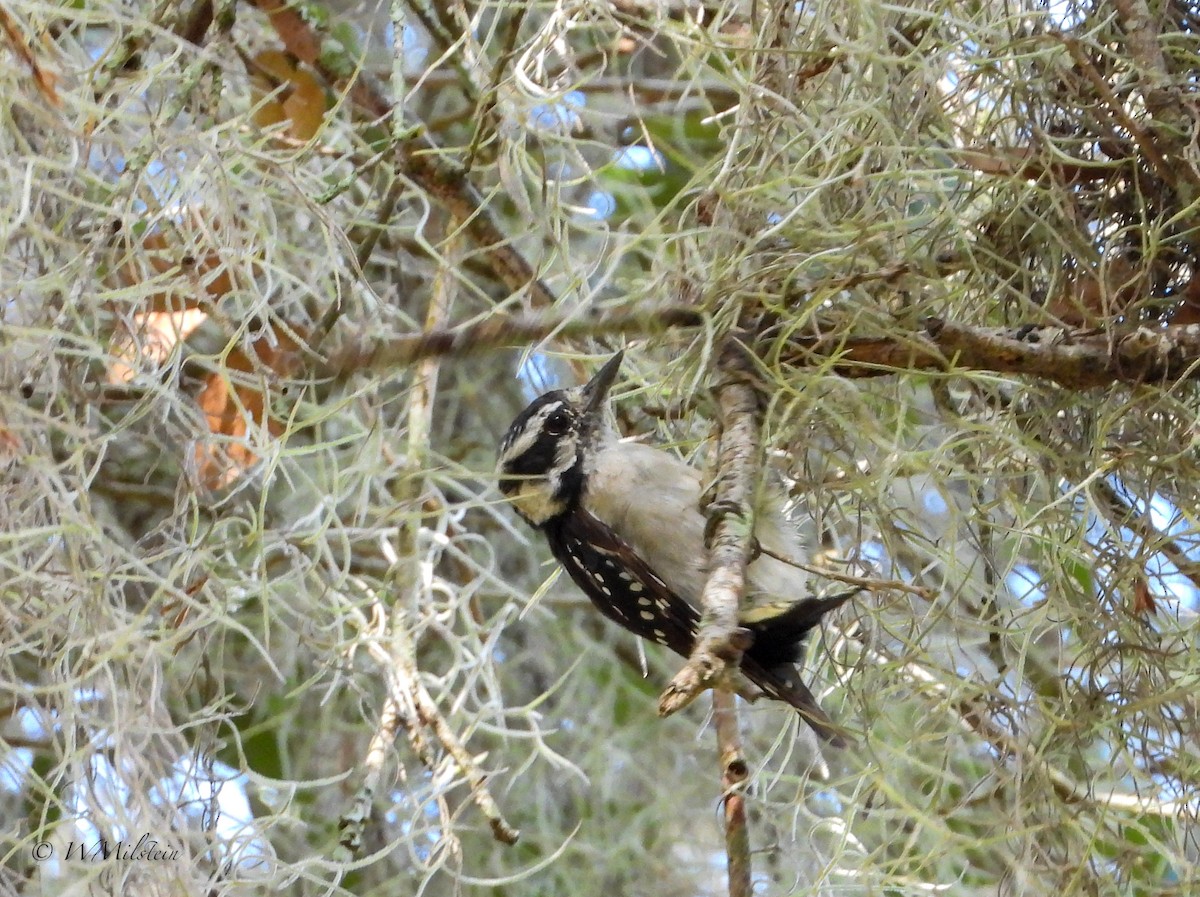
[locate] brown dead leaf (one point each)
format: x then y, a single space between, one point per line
1093 296
1188 310
235 399
44 79
1144 602
151 339
285 90
11 447
300 39
146 338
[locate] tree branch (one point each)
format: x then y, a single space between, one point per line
734 773
409 704
1072 358
721 640
501 331
416 156
1171 120
1077 359
1117 110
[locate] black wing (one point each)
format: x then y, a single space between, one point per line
620 583
624 588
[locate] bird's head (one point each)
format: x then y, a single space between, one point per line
544 453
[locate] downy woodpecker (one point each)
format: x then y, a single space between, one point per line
624 520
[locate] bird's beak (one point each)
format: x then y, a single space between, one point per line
596 390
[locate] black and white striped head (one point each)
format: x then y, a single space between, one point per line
542 456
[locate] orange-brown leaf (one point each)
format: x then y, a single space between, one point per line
1144 602
235 398
153 336
165 316
285 90
44 79
300 40
1188 310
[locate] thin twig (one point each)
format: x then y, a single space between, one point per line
398 713
975 716
467 765
1120 512
23 49
406 689
864 582
362 255
734 773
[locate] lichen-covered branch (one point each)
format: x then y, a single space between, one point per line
408 704
500 331
721 640
1171 120
1080 360
410 707
1071 358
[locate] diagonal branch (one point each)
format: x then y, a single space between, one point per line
973 712
1120 512
1171 119
416 156
1116 108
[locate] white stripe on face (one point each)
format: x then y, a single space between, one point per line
534 464
532 430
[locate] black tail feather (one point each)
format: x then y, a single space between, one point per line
770 661
783 684
778 640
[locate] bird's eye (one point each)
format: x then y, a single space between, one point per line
558 423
